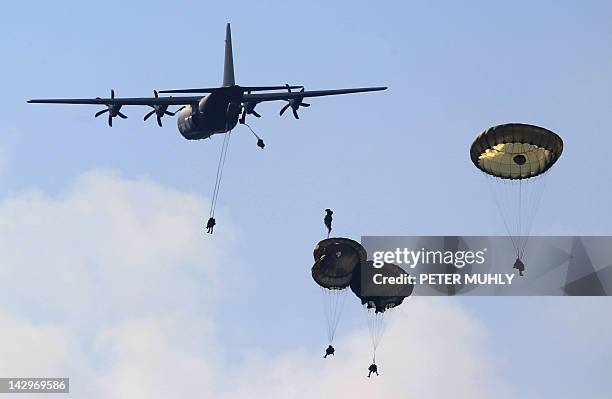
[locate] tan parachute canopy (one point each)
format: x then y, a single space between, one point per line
516 151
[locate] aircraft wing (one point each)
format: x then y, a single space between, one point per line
302 94
121 101
243 88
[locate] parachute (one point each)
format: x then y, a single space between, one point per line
340 263
515 158
378 299
340 255
335 261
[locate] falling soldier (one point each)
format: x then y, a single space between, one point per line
328 220
372 369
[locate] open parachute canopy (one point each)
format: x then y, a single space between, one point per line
516 151
320 277
384 296
338 257
515 159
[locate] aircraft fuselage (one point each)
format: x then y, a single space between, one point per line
215 113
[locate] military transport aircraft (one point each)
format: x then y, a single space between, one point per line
200 117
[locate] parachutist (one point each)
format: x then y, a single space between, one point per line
372 369
329 351
520 266
334 274
515 154
261 144
328 220
210 225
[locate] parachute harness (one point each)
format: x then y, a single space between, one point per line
220 167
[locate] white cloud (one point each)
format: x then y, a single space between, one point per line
29 348
432 349
151 361
102 283
107 247
113 284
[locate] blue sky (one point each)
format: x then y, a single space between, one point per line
392 163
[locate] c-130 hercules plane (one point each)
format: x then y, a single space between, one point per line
200 117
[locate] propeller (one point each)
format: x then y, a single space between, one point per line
113 111
294 103
248 108
160 110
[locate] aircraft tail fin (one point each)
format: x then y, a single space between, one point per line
228 67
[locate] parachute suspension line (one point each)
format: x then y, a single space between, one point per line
252 131
517 203
260 142
220 167
333 302
519 235
340 298
229 135
337 303
329 314
325 301
214 194
534 198
490 183
376 327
